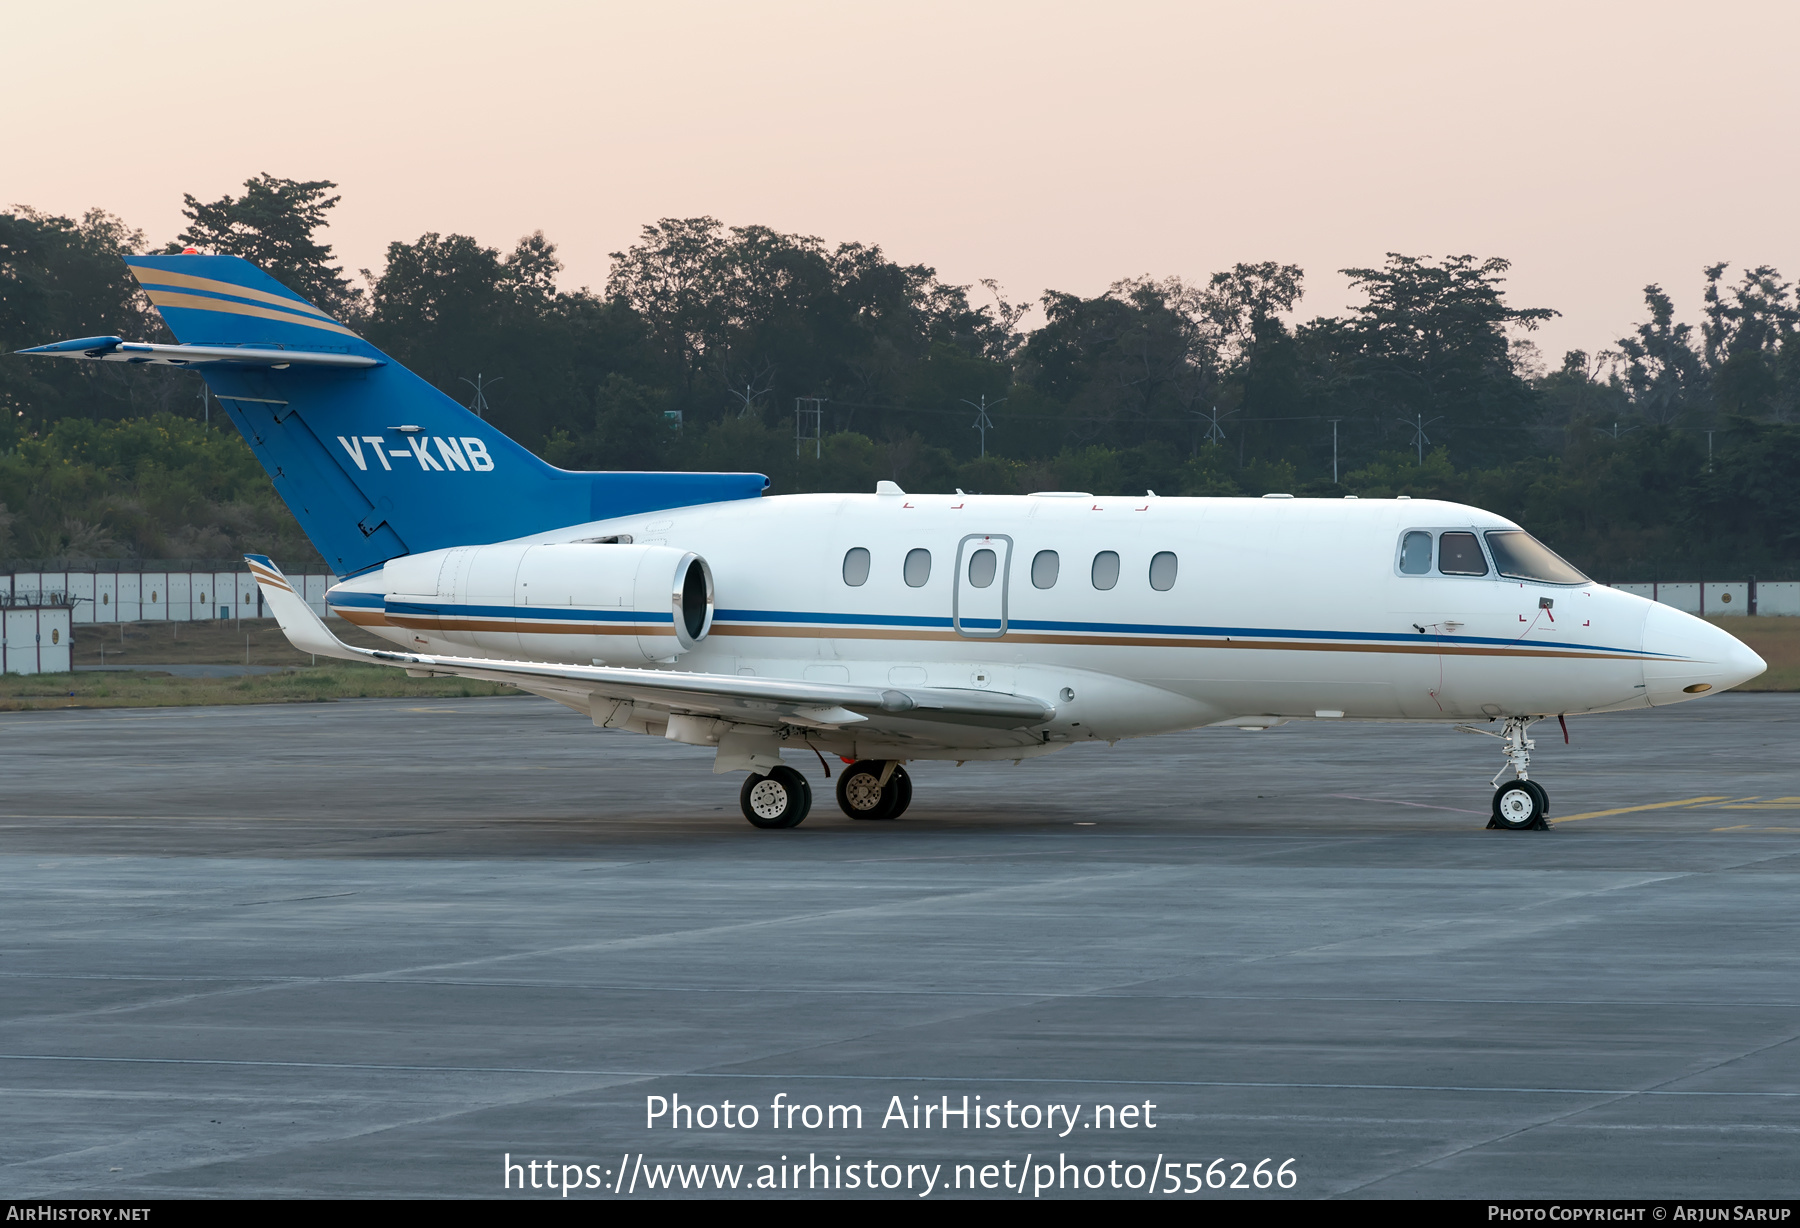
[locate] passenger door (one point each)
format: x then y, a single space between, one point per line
978 598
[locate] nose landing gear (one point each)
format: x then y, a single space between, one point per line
872 789
1521 804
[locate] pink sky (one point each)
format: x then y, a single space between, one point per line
1599 146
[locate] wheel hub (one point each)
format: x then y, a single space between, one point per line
863 791
1516 805
768 799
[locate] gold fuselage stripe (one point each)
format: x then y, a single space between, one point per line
372 618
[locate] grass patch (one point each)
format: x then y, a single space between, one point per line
219 643
302 684
225 642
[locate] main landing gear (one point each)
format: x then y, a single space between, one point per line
874 789
780 799
867 789
1520 804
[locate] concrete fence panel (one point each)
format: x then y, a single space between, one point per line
106 597
153 597
131 585
181 597
1727 597
81 592
56 641
1778 597
225 594
21 641
1683 596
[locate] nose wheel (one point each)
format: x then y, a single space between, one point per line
873 789
1521 805
780 799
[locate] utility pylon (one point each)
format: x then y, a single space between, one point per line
814 417
983 423
479 406
1420 438
1215 434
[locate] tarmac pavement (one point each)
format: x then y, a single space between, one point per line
377 947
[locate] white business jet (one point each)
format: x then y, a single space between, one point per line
891 627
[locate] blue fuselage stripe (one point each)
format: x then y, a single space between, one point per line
850 623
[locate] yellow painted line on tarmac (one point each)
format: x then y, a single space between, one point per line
1739 827
1601 814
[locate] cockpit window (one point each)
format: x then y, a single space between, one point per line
1415 553
1459 554
1520 556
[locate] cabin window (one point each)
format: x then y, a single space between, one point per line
1459 554
856 567
1520 556
1106 569
981 568
1044 568
918 568
1415 553
1162 571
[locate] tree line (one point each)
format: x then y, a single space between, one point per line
829 367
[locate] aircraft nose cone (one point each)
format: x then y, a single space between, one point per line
1688 657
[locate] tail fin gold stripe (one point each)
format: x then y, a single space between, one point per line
162 277
270 578
165 298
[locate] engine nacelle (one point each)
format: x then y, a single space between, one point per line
579 602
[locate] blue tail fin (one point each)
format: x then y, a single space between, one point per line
375 462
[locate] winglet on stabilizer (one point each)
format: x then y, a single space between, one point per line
304 629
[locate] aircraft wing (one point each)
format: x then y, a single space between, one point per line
755 701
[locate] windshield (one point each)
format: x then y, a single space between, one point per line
1520 556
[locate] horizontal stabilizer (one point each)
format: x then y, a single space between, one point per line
373 461
115 349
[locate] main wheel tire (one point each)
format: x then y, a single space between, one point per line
780 799
1520 805
901 784
860 793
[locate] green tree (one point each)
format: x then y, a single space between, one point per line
1664 373
1431 342
1745 331
275 225
62 278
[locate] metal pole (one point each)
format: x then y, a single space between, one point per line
982 421
1334 452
